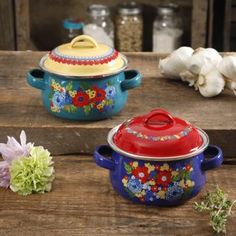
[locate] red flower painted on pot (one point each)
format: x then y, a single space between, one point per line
141 173
164 178
100 94
188 167
81 99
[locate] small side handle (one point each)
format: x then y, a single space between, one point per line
132 80
101 160
215 160
35 78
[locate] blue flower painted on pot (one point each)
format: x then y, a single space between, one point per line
68 99
174 192
150 196
58 99
110 92
134 186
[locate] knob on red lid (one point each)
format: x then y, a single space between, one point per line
157 134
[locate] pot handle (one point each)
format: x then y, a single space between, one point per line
35 78
102 161
215 160
132 79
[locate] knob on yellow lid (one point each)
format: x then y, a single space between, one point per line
83 57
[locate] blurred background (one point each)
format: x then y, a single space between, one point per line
143 25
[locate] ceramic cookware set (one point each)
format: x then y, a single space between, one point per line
153 158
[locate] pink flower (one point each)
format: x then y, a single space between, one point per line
10 151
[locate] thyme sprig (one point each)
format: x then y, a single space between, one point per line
219 207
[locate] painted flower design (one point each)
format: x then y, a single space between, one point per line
64 97
134 185
110 92
174 192
81 99
149 182
100 94
141 173
58 99
164 178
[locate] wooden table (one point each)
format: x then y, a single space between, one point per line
82 201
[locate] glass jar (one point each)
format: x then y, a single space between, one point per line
72 28
99 24
129 27
167 29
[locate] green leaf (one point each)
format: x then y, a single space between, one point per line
70 108
69 86
175 178
128 168
85 86
87 109
109 102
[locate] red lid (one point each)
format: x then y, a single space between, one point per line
158 134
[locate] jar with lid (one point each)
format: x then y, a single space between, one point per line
167 28
99 24
129 27
72 28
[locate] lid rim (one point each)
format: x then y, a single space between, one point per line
42 60
156 158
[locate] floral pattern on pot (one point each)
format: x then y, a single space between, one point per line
149 182
65 98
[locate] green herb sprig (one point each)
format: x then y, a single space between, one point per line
219 208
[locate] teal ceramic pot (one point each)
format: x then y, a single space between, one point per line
84 80
80 99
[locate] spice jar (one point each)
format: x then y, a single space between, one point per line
72 28
167 29
129 27
99 24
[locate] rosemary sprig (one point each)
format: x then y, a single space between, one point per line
219 208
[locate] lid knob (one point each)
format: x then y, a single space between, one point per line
83 41
162 119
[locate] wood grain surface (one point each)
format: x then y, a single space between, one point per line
82 202
21 107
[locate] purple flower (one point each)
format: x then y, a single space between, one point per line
10 151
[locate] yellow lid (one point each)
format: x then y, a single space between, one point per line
83 57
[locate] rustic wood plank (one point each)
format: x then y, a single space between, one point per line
227 25
83 202
7 39
21 107
199 23
22 21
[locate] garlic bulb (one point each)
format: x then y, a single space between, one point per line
176 62
227 67
210 81
203 56
189 77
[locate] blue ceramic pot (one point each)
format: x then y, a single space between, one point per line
161 183
84 99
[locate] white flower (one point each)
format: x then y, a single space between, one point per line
10 151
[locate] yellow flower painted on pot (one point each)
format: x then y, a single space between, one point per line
161 194
101 105
73 93
182 183
164 167
150 167
135 164
55 109
151 182
125 182
91 93
174 173
190 183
